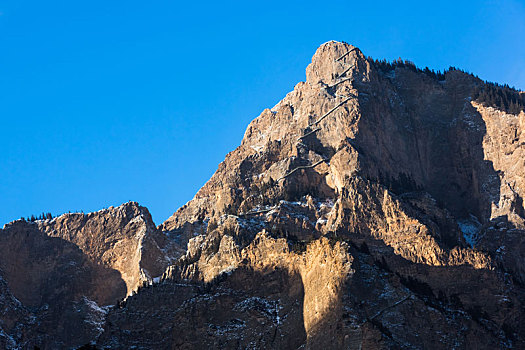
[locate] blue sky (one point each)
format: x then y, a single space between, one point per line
102 102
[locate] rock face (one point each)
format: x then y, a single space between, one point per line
263 296
375 206
124 239
59 271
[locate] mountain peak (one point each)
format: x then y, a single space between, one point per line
330 59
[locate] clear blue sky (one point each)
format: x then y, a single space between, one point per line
102 102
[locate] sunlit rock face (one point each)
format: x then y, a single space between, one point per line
124 239
373 207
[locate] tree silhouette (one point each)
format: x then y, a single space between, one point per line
503 97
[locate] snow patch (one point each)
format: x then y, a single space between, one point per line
257 148
470 227
267 307
9 342
95 315
228 270
321 221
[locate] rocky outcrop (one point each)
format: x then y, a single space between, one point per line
264 296
503 147
124 239
60 272
322 267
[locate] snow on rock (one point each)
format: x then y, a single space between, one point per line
470 227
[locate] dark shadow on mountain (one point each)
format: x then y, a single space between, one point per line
506 245
463 297
57 283
432 141
239 309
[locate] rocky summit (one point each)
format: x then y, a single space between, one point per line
377 206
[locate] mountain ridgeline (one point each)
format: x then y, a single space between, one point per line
503 97
377 206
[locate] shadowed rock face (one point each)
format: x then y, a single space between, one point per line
369 209
233 313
